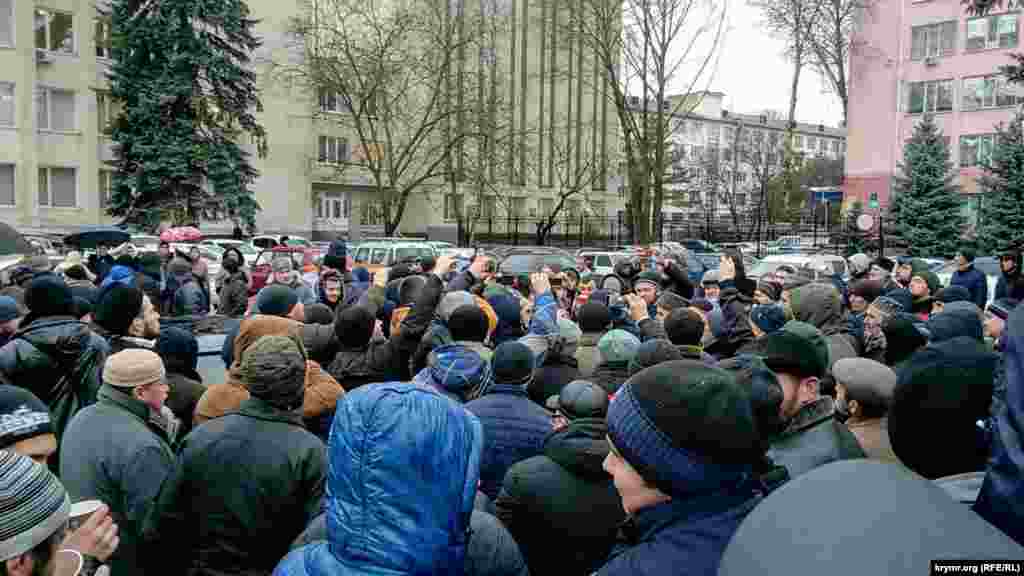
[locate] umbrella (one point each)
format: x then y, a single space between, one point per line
859 517
181 234
91 236
12 242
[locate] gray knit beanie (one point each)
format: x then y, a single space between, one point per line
33 504
274 369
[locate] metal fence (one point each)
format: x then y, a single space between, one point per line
821 233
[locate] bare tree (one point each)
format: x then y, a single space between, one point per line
829 36
790 20
763 160
649 47
574 175
382 69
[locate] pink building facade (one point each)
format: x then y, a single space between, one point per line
911 57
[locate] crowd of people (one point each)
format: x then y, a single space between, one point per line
435 419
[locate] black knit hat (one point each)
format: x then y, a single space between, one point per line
354 326
118 306
22 416
580 399
942 392
652 353
319 314
336 255
593 317
869 290
409 290
276 300
684 327
468 323
967 252
677 416
48 295
513 364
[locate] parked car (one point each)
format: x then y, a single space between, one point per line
248 252
520 262
988 265
375 256
146 242
211 254
699 246
604 262
814 265
43 245
785 245
271 240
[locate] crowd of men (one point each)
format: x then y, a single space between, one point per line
432 419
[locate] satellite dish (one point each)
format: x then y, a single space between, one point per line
865 222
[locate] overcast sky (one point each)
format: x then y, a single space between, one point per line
754 74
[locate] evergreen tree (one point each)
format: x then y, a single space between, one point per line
1001 218
926 209
183 74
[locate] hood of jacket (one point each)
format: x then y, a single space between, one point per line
581 447
179 350
401 488
510 323
819 305
119 275
956 319
457 371
255 327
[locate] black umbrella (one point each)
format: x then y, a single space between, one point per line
12 242
860 517
89 237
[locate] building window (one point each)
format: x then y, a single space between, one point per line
739 199
812 142
999 31
933 40
452 206
372 214
57 188
835 147
547 206
7 104
976 150
332 205
105 183
599 209
101 36
727 133
986 92
56 110
54 31
934 96
488 207
338 103
332 150
6 22
7 184
798 141
107 110
518 206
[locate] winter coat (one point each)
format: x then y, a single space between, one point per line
586 353
813 438
562 507
552 376
514 429
320 341
83 289
654 329
190 299
244 486
1011 285
115 452
610 375
60 360
234 295
491 550
964 488
821 306
922 307
321 391
975 282
682 536
382 519
1001 500
873 437
387 360
956 319
735 319
305 293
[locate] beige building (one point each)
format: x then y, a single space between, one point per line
53 105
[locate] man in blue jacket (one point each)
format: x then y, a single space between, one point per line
683 448
970 277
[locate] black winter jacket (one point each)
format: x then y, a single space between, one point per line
550 378
814 438
562 507
244 486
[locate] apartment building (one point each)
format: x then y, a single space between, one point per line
54 106
915 57
719 157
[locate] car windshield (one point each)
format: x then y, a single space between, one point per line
767 267
412 253
520 263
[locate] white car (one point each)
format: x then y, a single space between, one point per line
817 264
248 252
604 262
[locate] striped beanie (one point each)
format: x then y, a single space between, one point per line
33 505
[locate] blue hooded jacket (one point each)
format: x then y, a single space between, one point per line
1001 500
956 319
456 372
401 486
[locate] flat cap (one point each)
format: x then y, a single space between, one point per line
866 381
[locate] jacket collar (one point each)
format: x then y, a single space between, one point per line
256 408
162 423
645 523
810 415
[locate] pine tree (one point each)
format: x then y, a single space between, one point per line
926 209
1001 218
183 75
